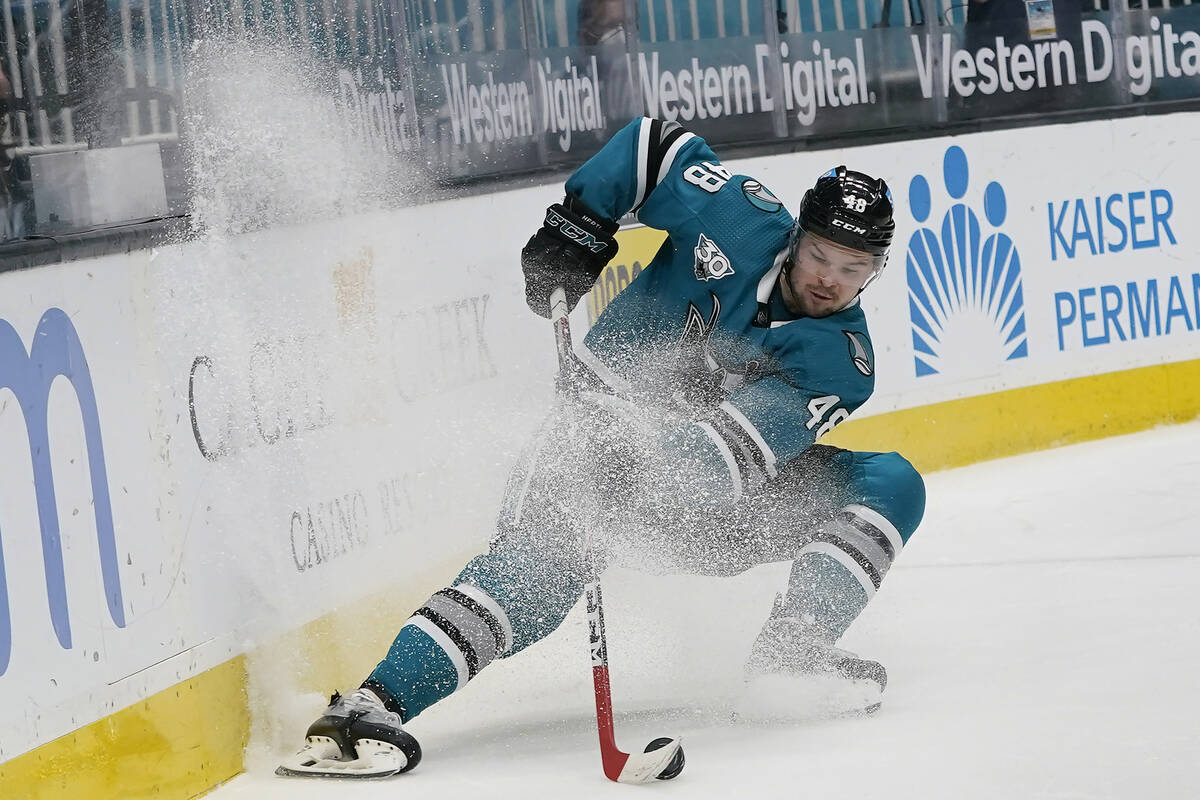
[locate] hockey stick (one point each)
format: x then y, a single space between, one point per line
663 758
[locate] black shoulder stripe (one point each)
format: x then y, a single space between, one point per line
662 136
669 140
653 152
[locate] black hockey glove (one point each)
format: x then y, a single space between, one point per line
570 250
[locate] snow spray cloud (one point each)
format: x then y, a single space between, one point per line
275 137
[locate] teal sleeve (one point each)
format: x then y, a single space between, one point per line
781 418
639 170
767 424
607 182
825 373
746 440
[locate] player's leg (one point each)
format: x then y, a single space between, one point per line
502 601
835 575
837 572
506 599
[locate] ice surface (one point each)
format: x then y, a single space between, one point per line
1041 634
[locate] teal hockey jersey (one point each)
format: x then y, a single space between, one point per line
706 322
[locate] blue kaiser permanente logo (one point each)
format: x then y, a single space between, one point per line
964 284
56 352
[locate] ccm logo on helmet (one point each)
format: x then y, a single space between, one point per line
837 223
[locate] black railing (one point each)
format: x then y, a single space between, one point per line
115 110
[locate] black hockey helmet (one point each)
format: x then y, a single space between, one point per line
851 209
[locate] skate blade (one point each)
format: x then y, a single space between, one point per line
322 758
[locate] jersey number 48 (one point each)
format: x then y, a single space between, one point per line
708 176
819 407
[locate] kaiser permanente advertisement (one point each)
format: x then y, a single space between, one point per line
1022 258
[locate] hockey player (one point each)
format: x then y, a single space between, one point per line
714 374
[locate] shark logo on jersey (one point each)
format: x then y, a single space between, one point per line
695 326
860 354
709 381
964 283
760 197
711 263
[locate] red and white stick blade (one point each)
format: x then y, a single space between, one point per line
645 767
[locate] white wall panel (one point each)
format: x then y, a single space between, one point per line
375 378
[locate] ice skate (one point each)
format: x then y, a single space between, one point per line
357 737
787 645
796 659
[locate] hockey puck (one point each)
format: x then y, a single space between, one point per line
675 766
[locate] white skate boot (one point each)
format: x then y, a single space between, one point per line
356 738
791 648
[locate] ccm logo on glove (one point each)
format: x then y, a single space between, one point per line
574 232
571 248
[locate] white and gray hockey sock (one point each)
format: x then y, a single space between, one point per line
836 575
446 642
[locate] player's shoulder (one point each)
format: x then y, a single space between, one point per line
698 166
838 327
705 175
835 350
734 207
695 193
749 201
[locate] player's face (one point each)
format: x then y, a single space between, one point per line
824 276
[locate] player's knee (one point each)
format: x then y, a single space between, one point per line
904 493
